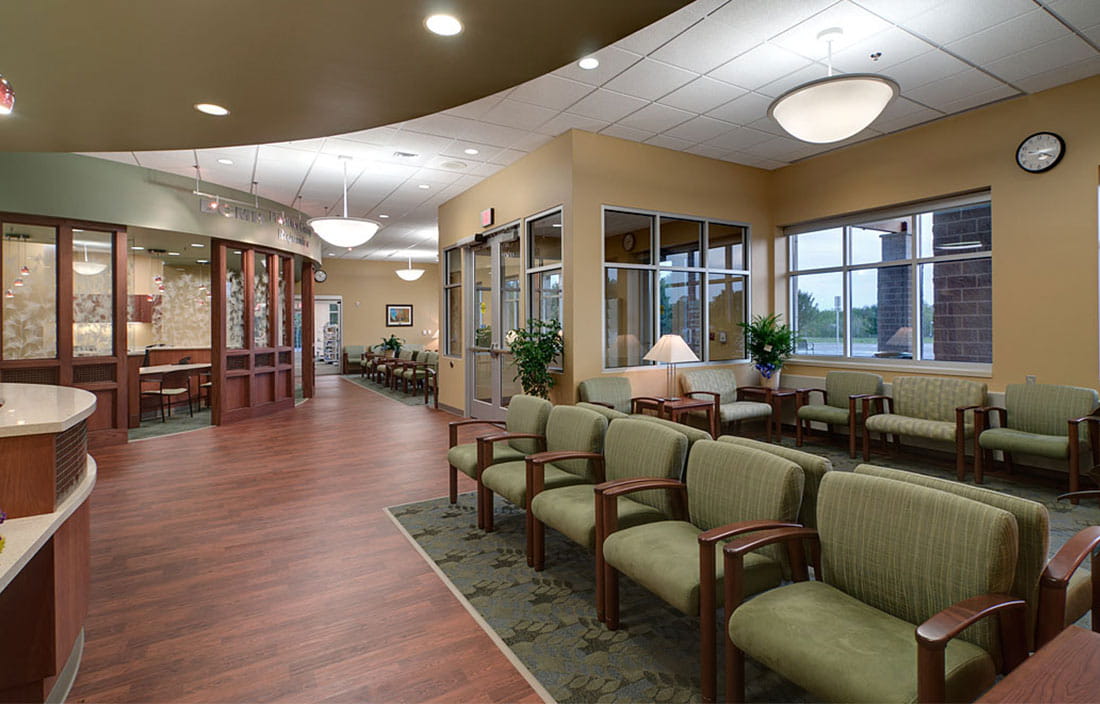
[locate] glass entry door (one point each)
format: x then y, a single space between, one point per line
495 308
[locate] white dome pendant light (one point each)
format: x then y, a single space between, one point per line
835 107
410 274
88 268
345 231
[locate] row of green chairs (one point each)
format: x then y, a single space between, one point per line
413 370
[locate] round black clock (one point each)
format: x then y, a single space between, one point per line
320 276
1040 152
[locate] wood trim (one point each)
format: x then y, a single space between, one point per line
308 353
64 260
27 474
248 274
218 352
121 332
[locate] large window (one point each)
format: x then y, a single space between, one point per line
667 274
452 302
915 284
544 266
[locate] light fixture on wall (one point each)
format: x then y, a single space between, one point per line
88 268
671 349
7 96
345 231
835 107
410 274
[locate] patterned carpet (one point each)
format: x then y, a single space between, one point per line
548 619
416 399
178 422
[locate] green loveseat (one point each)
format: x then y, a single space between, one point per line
839 404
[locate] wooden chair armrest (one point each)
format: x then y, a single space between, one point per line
1070 556
802 396
729 530
734 559
627 486
742 546
714 394
607 502
535 479
497 437
1054 582
755 391
934 634
1085 494
559 455
1084 419
454 425
885 403
960 415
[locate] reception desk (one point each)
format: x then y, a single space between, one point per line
46 478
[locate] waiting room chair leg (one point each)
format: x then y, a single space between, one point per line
852 438
538 544
611 597
453 496
735 672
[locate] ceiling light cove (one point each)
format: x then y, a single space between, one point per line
471 151
227 162
443 25
423 186
212 109
588 63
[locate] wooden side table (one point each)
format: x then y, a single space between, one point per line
1067 669
675 409
773 397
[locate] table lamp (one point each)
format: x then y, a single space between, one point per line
671 349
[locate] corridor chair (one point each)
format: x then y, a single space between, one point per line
721 385
610 391
370 360
1056 592
387 368
1040 420
170 386
929 407
905 578
525 414
839 404
431 386
413 373
352 356
569 430
632 449
730 490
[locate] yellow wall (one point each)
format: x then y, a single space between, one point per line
1044 225
366 288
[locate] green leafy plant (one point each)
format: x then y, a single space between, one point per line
769 342
393 342
534 349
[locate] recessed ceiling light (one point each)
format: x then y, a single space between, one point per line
137 248
211 109
196 244
227 162
471 151
202 261
405 155
445 25
454 165
588 63
383 216
424 186
173 254
332 254
236 251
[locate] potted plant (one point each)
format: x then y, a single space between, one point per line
391 344
534 349
769 343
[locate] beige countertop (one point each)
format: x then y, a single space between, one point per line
33 409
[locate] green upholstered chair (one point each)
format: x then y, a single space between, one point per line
568 430
692 433
609 413
413 373
813 468
632 449
526 414
721 385
1069 594
930 407
894 561
394 368
352 358
610 391
839 403
730 490
1041 420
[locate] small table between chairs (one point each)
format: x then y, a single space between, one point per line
772 397
1067 669
674 409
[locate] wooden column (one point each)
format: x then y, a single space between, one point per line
308 354
218 316
64 261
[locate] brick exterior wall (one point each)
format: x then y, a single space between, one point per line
963 291
895 307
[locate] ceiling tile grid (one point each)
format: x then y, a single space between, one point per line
700 80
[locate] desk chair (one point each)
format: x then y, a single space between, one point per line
170 386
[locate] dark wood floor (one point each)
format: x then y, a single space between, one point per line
254 563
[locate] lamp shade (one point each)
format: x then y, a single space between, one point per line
671 349
410 274
345 231
833 108
89 268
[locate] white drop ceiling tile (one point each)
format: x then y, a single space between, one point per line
858 24
951 21
702 94
606 105
743 110
382 136
706 46
901 107
769 126
388 171
765 19
663 140
1093 33
739 138
499 135
1079 13
358 151
476 109
457 149
1017 34
627 133
121 157
974 100
753 160
781 149
1045 57
928 67
507 156
530 142
613 61
813 72
440 125
513 113
948 90
451 165
649 38
894 46
309 145
709 152
759 66
700 129
550 91
656 118
650 79
1058 76
899 10
568 121
175 161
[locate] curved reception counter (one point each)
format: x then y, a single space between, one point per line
46 477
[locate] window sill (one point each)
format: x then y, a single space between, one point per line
916 367
679 365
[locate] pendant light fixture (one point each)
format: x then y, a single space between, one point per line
87 268
345 231
835 107
410 274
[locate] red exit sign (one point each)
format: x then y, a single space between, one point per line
487 217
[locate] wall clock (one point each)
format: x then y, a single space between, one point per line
628 241
1040 152
320 276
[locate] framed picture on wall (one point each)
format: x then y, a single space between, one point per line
399 315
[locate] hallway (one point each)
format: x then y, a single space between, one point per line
254 563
